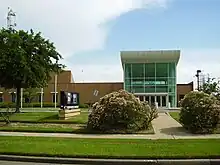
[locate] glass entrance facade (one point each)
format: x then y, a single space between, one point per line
151 78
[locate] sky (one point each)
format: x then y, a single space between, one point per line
90 34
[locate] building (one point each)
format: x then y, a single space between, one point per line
150 75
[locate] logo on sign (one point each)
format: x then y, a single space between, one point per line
74 98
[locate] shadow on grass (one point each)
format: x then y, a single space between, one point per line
176 131
48 118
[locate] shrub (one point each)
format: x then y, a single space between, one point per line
28 105
199 112
119 111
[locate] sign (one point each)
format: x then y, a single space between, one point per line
69 100
96 92
149 83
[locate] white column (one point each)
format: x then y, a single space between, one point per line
21 97
41 97
161 101
167 101
144 98
149 99
55 91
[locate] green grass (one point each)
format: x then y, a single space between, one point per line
46 117
40 129
175 115
40 109
43 122
110 148
33 109
62 128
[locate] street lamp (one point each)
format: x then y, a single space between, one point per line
197 75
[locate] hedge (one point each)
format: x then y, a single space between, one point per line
35 105
25 105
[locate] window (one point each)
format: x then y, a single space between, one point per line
162 88
53 99
26 100
149 81
161 70
13 97
161 81
138 89
172 89
127 81
149 89
137 70
172 81
150 70
128 88
172 70
1 97
137 81
127 71
39 98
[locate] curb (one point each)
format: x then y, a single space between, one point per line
57 160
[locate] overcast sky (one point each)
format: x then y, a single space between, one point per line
90 33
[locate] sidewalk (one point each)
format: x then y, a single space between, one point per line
165 128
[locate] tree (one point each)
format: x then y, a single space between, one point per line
211 86
26 60
30 93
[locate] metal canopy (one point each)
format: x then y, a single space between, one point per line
150 56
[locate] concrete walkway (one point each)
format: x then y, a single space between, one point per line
165 128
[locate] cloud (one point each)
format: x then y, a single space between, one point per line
206 60
73 25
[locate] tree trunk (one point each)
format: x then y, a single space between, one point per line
18 99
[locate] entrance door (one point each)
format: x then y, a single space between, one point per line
164 101
141 98
152 100
158 101
147 99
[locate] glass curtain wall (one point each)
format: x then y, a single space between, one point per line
151 78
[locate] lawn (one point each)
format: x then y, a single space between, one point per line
45 128
175 115
110 148
49 122
47 117
62 128
33 109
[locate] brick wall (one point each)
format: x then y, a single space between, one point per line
86 89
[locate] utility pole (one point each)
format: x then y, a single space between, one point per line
11 19
198 79
11 24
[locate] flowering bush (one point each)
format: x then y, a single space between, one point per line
199 112
120 111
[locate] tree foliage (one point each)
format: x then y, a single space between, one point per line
26 60
200 112
211 86
30 93
120 112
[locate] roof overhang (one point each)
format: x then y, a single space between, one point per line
150 56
